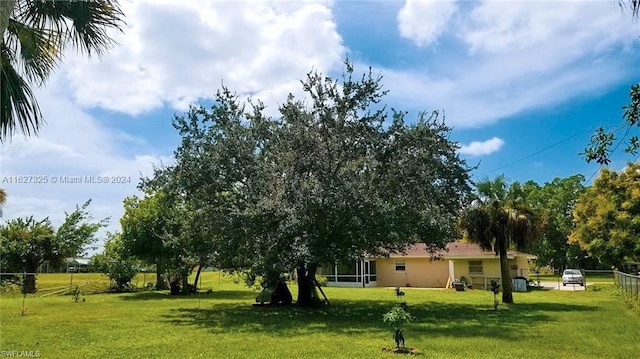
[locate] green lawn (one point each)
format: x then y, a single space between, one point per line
223 324
591 278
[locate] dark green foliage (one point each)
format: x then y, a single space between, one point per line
332 178
116 263
27 243
148 226
555 202
498 220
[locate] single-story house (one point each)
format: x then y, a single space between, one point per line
418 268
79 264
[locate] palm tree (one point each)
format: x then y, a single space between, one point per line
34 35
498 220
631 5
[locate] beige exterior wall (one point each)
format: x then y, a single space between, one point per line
523 266
419 272
490 270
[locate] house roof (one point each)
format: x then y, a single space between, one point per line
79 261
456 250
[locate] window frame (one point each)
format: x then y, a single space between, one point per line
475 266
401 263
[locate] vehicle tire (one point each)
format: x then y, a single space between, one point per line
582 284
564 284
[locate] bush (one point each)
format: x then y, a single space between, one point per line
397 317
116 265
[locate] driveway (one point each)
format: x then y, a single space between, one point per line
558 285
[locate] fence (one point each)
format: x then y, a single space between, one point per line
630 283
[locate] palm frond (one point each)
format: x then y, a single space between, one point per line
83 23
3 199
476 222
631 5
523 228
18 106
495 189
36 50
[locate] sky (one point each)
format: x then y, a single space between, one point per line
523 84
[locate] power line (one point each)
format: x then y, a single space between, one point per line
538 152
594 173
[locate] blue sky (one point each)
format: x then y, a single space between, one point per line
514 79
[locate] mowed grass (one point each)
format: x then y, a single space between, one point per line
223 324
590 278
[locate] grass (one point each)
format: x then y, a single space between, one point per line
595 278
223 324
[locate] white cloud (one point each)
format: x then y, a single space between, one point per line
580 26
172 52
521 56
423 21
477 148
72 143
178 52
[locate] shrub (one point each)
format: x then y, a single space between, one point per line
116 265
397 317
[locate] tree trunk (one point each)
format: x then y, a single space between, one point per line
29 280
29 284
195 282
186 288
507 288
6 8
160 283
307 294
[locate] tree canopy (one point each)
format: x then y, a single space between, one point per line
555 202
26 243
334 177
607 217
116 262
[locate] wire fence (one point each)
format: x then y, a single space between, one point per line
57 283
630 283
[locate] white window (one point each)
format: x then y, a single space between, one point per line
401 266
475 267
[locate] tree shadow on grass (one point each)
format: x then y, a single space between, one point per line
225 295
365 316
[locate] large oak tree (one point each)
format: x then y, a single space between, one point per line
334 177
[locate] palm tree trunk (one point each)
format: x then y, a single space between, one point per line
507 288
6 8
